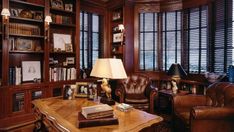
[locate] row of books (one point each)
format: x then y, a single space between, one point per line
18 102
61 19
24 29
15 75
62 74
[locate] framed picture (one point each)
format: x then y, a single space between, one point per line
31 70
68 47
116 15
70 60
14 12
60 41
117 37
38 15
68 7
81 89
24 44
57 4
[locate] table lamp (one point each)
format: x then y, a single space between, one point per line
176 71
108 68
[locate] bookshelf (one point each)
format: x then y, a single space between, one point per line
29 41
117 44
62 64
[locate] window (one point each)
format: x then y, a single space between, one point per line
89 39
148 41
170 44
222 46
171 38
195 27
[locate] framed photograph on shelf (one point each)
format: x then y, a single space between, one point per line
60 41
117 37
117 15
24 44
68 7
68 47
14 12
81 89
57 4
70 60
31 70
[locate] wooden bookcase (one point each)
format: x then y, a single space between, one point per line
117 44
26 37
121 42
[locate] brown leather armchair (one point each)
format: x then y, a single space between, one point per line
206 113
136 90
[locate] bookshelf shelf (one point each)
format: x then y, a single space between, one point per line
53 10
25 19
63 53
27 36
26 52
63 25
27 3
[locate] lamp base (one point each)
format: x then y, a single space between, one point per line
108 101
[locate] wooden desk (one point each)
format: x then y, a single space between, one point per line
61 115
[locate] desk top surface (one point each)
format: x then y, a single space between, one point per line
64 113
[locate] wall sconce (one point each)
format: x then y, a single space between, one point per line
48 20
121 28
5 13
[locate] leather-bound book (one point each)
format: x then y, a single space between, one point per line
83 122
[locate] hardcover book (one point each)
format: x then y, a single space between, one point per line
83 122
97 111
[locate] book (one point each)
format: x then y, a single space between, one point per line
124 107
83 122
97 111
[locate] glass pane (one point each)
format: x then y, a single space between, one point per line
149 21
85 21
36 95
57 92
95 23
18 102
95 41
149 60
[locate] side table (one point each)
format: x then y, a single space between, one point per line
165 98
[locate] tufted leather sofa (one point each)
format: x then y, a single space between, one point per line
213 112
136 90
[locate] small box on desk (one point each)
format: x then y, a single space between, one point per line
83 122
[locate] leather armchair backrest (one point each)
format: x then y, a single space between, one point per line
220 94
136 84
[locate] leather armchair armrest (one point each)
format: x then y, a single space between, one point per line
120 92
212 113
151 93
186 102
